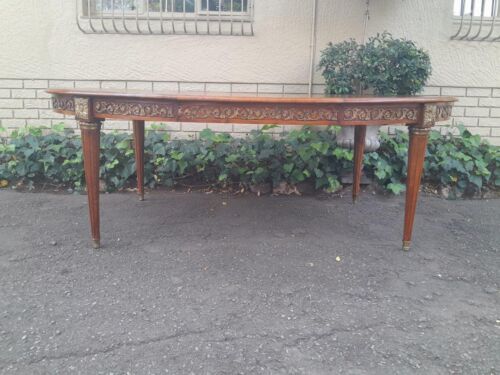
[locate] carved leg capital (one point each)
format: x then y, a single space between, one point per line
418 130
90 125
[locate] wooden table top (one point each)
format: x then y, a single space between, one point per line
252 97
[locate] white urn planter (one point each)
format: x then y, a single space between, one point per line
345 138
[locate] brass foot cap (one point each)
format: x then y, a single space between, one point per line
406 245
96 244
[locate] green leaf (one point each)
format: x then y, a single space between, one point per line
380 173
297 176
112 164
123 145
232 158
177 155
333 184
305 153
58 128
342 153
207 134
321 147
288 167
476 180
268 127
396 188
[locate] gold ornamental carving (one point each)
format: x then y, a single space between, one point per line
82 108
129 108
380 114
63 103
430 115
443 112
253 113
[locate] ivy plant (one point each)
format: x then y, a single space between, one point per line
464 164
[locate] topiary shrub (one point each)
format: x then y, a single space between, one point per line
341 64
393 66
385 65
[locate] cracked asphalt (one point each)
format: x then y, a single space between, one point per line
193 283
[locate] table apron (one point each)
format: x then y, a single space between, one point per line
251 113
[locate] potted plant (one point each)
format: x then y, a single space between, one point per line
383 66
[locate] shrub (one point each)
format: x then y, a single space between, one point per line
463 164
385 65
394 66
341 65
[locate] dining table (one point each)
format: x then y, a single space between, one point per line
91 108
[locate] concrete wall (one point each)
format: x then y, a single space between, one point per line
41 47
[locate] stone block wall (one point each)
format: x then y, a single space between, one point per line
25 102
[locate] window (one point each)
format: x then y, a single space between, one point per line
220 17
477 20
179 6
487 8
225 5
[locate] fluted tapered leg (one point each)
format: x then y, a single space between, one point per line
91 143
416 156
139 156
359 150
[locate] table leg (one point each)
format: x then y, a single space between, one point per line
416 156
139 156
91 144
359 150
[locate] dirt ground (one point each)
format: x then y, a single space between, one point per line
193 283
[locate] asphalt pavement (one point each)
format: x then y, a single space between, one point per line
194 283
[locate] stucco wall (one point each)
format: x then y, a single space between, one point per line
40 39
41 47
